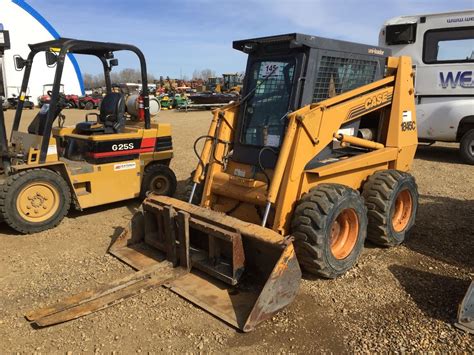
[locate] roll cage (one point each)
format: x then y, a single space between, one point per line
62 47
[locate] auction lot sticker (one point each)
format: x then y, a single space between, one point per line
125 166
271 69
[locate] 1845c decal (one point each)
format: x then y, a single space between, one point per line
407 121
408 126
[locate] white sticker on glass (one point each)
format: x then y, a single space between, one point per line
271 69
273 140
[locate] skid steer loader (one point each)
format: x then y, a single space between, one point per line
308 163
106 158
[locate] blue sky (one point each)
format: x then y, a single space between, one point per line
178 36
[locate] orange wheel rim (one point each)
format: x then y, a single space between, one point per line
344 233
402 211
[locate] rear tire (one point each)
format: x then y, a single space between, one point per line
34 200
329 225
158 179
391 197
89 105
467 147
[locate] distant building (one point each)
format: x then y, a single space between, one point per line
25 25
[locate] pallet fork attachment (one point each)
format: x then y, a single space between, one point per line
240 272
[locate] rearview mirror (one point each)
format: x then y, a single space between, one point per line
20 63
51 59
113 63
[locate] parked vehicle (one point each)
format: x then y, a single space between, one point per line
46 97
90 102
442 48
73 101
11 102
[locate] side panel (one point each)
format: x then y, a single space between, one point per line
438 117
107 183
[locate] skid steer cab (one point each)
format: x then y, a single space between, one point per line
106 158
308 164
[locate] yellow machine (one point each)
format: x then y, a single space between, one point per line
231 83
290 175
104 159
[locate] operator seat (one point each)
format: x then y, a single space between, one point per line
111 118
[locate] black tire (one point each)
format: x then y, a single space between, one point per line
391 197
158 179
189 188
89 105
315 225
467 147
13 190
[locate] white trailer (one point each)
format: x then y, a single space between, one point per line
442 48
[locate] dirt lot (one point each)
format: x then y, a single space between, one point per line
400 299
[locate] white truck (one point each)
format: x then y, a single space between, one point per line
442 48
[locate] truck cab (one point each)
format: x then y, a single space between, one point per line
442 50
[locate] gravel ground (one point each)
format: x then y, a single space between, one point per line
399 299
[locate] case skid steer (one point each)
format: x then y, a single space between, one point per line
308 163
104 159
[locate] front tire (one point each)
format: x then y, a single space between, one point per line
89 105
329 225
391 197
158 179
467 147
34 200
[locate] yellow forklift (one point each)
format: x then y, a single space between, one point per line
310 162
106 158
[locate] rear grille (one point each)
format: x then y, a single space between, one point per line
337 75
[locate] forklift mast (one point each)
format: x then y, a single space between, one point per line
4 45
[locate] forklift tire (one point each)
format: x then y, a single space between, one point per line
467 147
34 200
329 226
189 188
158 179
391 197
89 105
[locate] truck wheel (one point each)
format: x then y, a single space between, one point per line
34 200
89 105
158 179
467 147
189 188
391 197
329 225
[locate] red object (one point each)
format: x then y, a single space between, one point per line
141 108
148 142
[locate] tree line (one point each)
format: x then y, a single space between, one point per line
129 75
